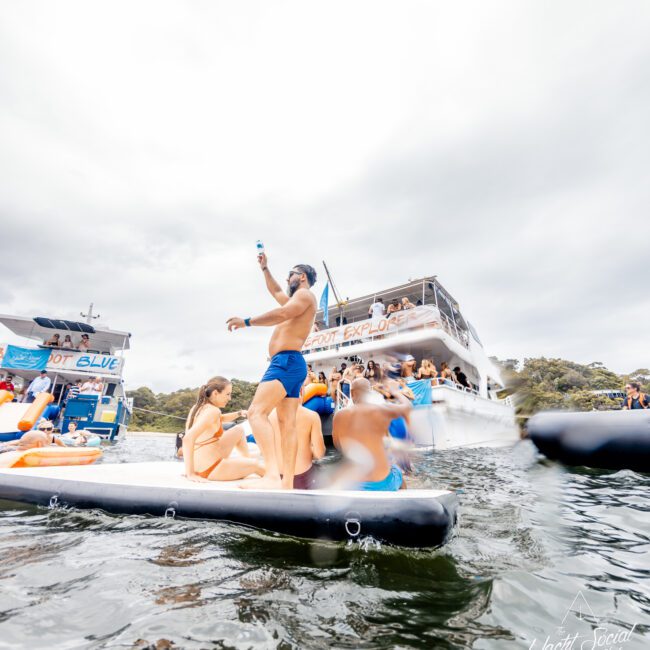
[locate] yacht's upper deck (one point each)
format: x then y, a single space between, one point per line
349 321
101 340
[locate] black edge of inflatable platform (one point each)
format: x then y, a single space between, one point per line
417 521
599 439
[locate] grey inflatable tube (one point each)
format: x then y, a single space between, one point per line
422 519
607 440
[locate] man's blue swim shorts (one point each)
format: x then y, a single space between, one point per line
391 483
290 369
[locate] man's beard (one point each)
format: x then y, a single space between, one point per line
292 288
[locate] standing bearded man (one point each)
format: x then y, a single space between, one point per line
280 385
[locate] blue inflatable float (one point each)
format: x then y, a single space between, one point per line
323 405
601 439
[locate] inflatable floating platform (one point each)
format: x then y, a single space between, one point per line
602 439
411 518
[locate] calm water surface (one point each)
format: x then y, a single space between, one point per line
542 553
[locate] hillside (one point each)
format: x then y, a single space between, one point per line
537 384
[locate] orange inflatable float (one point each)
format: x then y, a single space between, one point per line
34 411
50 456
5 396
313 390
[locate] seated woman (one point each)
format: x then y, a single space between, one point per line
53 342
207 447
322 379
407 304
67 342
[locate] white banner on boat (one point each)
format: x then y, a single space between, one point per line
365 329
103 364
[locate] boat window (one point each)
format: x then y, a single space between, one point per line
110 390
474 334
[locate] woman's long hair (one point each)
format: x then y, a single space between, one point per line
215 383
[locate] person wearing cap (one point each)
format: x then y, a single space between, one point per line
408 368
40 384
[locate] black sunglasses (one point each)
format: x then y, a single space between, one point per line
47 428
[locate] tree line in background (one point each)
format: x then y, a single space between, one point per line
538 384
542 384
175 406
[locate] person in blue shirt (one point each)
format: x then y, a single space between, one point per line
40 384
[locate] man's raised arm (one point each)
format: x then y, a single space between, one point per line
274 288
295 306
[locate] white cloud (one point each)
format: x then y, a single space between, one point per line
504 146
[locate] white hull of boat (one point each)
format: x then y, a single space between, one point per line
463 420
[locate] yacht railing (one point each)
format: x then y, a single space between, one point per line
343 401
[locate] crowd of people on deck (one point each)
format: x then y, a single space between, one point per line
376 374
42 384
82 345
378 309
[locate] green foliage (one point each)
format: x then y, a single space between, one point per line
175 406
545 384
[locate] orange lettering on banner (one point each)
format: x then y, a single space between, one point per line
383 325
55 358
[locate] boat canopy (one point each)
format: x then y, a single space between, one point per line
40 328
425 291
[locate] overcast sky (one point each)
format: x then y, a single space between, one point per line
504 146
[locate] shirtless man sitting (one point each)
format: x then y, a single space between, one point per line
280 385
359 432
311 446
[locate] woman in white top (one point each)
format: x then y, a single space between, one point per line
67 342
86 387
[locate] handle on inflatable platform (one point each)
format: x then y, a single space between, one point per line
5 396
34 411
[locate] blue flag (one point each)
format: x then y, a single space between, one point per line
324 300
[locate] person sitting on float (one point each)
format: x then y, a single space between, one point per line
360 430
47 427
207 447
29 440
74 434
